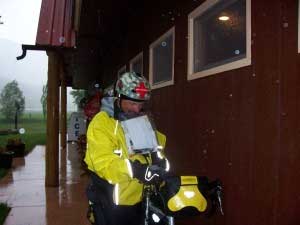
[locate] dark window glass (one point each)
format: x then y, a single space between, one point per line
137 66
163 60
217 41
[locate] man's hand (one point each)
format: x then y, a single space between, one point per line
146 174
159 160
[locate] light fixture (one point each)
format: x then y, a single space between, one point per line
224 18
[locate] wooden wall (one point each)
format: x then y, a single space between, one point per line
242 125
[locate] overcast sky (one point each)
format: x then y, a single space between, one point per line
20 21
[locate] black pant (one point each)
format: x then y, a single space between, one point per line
99 192
119 215
127 215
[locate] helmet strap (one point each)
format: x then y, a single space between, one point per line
117 108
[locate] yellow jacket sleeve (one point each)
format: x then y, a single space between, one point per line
161 139
104 137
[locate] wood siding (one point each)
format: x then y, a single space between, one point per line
242 125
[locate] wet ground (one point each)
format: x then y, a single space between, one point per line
23 189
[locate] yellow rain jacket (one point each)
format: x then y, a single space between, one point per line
107 156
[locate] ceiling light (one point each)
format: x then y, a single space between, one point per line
224 18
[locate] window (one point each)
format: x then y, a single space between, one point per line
122 70
136 64
219 37
161 68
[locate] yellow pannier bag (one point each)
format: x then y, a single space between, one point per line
184 195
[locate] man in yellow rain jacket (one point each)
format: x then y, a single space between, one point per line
117 175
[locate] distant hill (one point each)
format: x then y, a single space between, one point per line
30 73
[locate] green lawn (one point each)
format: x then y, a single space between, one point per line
4 210
2 172
35 126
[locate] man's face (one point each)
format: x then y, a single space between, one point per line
129 106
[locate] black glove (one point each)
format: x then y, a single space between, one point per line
146 174
161 162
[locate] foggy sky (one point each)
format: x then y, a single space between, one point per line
20 20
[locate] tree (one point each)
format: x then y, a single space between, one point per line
43 99
79 97
12 100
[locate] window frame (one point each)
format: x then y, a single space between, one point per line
135 59
151 47
221 68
